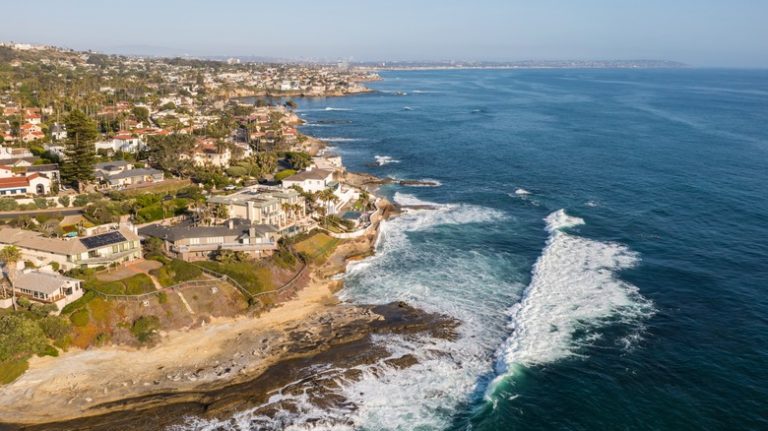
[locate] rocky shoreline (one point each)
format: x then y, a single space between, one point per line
340 338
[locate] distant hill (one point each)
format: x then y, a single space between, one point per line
526 64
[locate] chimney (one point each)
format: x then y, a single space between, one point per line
231 223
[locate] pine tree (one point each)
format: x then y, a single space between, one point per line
80 152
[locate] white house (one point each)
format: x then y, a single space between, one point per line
48 287
34 184
124 142
314 180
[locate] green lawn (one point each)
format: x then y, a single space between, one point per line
254 278
317 246
134 285
176 271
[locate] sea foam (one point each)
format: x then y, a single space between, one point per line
574 291
385 160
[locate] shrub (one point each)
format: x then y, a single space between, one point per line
285 173
55 266
10 371
55 327
64 201
236 171
8 204
101 339
80 303
49 350
80 317
81 200
41 203
20 337
145 327
162 298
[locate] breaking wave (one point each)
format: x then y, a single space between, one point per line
522 192
385 160
383 396
573 293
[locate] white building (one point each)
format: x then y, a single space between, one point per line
312 181
48 287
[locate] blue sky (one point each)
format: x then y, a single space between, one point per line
698 32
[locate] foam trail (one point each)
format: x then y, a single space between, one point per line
339 139
385 160
522 192
574 290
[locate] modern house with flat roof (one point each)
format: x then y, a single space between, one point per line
282 208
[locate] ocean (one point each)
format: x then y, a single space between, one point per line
602 235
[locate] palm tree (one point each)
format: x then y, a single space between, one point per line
327 196
9 256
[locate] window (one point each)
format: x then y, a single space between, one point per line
194 241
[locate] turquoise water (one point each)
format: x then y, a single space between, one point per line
602 235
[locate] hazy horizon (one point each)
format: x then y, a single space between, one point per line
703 33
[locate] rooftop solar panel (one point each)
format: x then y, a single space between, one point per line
105 239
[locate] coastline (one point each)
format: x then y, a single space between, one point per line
197 371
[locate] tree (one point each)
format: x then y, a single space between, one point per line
141 114
326 196
299 160
9 256
82 133
164 152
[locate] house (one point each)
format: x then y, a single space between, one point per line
48 287
135 176
6 171
58 132
313 180
207 153
328 162
8 153
48 170
190 243
124 142
111 168
33 118
283 208
101 249
34 184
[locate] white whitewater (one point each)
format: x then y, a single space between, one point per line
574 289
574 281
385 160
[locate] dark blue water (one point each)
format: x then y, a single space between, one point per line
641 305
